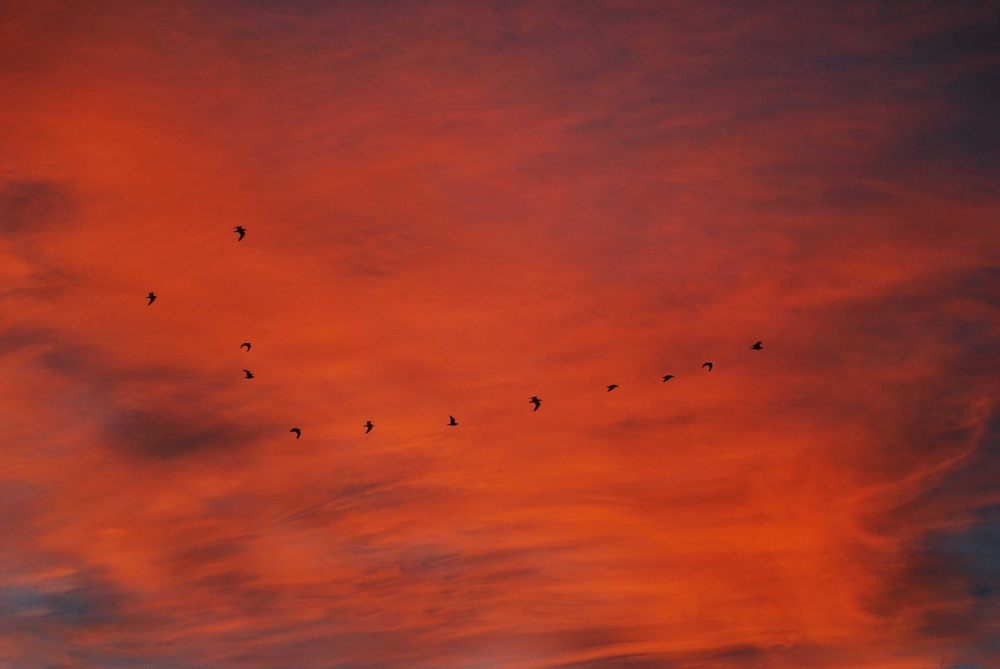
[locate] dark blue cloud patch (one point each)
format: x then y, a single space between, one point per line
170 434
976 37
960 68
140 410
33 206
964 565
952 575
966 131
54 617
79 600
977 132
976 554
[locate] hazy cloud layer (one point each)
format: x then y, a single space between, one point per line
454 207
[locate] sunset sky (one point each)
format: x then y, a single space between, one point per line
452 207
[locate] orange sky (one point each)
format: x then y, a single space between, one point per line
452 207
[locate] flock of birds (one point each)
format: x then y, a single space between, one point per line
241 231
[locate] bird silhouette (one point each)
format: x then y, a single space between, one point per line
248 373
537 402
707 364
452 423
757 346
667 377
612 387
369 425
240 229
297 431
151 297
247 344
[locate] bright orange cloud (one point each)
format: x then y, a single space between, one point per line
451 208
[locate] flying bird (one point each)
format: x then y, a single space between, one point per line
151 297
757 346
453 422
537 402
247 344
667 377
297 431
240 229
612 387
707 364
248 373
369 425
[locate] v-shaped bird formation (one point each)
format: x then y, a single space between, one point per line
451 419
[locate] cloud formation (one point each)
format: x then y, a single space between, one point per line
451 208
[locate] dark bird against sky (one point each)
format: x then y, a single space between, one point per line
249 375
757 346
369 425
240 229
707 364
452 420
297 431
151 297
537 402
247 344
612 387
667 377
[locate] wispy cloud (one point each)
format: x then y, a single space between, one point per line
453 208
